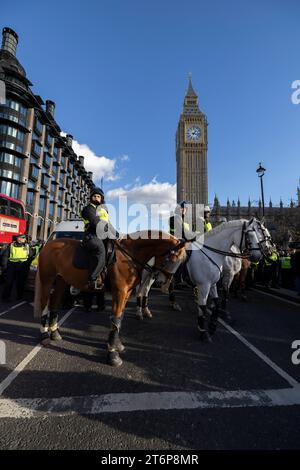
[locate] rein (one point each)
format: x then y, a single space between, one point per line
147 266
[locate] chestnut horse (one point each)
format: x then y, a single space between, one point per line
56 270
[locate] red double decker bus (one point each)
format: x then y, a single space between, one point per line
12 218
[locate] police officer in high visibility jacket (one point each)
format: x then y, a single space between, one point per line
206 221
15 260
97 229
178 226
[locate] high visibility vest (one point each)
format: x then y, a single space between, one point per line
18 254
273 257
186 227
35 262
285 262
102 214
207 226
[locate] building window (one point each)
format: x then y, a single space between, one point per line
55 153
11 159
36 148
30 198
16 106
9 174
51 209
47 159
45 181
38 126
48 140
34 172
9 189
42 204
8 130
12 146
13 118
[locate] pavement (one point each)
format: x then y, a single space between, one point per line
172 392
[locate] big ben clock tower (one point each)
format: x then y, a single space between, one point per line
191 151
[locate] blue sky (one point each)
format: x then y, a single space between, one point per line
118 72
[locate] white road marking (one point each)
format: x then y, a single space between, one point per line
128 402
278 298
21 366
11 308
261 355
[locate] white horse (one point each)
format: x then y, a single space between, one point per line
207 260
205 265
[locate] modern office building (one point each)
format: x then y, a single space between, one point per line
37 165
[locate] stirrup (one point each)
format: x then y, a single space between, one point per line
74 290
95 285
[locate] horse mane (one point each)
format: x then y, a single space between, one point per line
149 235
224 225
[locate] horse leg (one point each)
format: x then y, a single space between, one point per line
213 321
44 328
146 311
202 312
115 346
55 299
139 313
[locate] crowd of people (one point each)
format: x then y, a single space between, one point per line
15 261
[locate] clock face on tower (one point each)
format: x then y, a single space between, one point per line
193 133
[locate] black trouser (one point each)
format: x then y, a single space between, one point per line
16 272
96 250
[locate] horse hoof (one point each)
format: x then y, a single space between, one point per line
204 336
45 340
55 336
139 316
120 347
175 306
113 359
147 313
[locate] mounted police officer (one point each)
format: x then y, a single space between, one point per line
206 219
179 227
15 261
96 219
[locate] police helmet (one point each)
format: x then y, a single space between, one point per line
183 204
97 191
207 209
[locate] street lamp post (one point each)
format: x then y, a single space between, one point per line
260 173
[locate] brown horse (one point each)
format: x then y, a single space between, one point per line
56 270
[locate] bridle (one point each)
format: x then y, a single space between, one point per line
154 270
245 252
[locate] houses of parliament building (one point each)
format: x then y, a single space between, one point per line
192 177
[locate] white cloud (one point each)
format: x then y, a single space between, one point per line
150 193
101 166
124 158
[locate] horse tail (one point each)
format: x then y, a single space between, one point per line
37 307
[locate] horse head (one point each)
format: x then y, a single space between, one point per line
257 239
167 264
